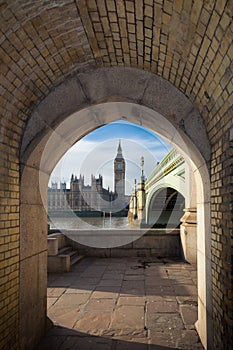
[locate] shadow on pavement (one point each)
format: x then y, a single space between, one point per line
61 338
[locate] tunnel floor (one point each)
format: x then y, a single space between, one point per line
123 304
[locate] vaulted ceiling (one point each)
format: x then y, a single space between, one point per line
186 42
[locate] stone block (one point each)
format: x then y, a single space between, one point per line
61 239
33 225
64 100
130 317
35 126
33 323
164 321
59 263
188 315
194 128
94 320
109 82
158 92
52 246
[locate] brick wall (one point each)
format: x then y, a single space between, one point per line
9 244
186 42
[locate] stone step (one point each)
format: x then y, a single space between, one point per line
64 250
74 256
76 259
60 256
59 263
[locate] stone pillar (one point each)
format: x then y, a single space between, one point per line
141 201
188 227
33 257
141 195
188 235
132 213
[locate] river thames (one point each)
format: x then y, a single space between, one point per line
82 223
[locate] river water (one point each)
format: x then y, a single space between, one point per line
82 223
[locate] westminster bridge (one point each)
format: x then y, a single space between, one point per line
166 200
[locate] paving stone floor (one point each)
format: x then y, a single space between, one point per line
123 304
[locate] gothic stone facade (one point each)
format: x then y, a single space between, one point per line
93 197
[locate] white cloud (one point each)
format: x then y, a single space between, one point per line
91 157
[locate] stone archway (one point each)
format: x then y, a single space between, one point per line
76 107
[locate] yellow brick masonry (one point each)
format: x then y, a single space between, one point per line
9 245
186 42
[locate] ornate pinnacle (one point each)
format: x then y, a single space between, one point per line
142 169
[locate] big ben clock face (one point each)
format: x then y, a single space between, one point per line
119 166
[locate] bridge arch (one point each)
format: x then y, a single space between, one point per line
76 107
157 202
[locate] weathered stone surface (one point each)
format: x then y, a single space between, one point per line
188 315
92 321
189 44
189 340
100 304
164 338
51 301
120 320
72 300
185 289
134 278
131 300
64 316
36 234
162 306
104 294
110 282
128 317
108 275
55 292
189 300
164 321
160 291
155 281
63 100
109 83
85 342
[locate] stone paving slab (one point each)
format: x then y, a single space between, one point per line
164 322
132 300
165 338
69 300
134 278
82 290
101 304
113 277
55 292
51 301
162 306
110 282
129 317
125 303
64 316
104 294
185 289
94 321
188 315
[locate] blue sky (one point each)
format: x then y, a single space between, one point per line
95 153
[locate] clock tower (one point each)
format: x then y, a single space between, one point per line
119 173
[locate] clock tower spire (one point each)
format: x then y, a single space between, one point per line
119 173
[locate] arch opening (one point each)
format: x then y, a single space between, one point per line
83 184
38 161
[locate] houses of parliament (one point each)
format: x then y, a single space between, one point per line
93 198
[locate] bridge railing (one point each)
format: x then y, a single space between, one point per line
170 162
